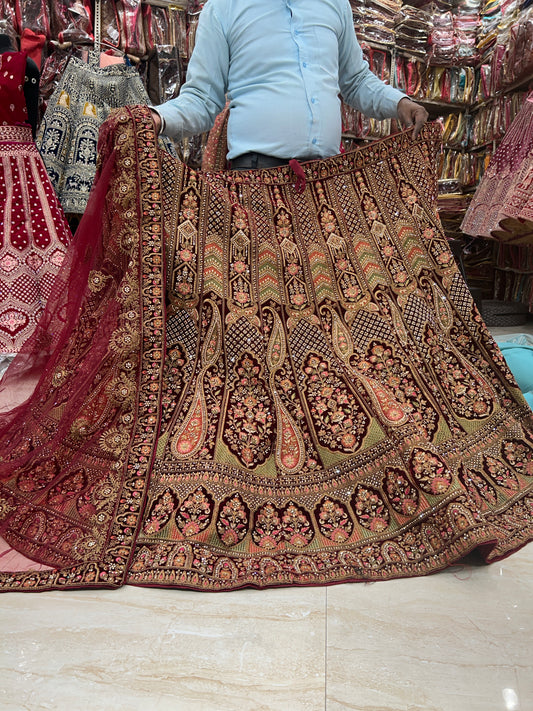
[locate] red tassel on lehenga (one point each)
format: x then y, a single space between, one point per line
244 385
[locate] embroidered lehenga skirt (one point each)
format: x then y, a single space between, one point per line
502 206
34 236
255 382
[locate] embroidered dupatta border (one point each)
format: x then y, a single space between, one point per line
129 140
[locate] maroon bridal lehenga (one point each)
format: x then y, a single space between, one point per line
502 206
260 379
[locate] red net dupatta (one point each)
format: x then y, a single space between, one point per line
75 458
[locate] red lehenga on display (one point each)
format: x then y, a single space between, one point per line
34 234
502 206
251 380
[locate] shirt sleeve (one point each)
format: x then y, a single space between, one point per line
359 87
202 97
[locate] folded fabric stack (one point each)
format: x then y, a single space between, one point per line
374 20
442 38
413 27
466 22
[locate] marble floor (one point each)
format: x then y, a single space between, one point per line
461 640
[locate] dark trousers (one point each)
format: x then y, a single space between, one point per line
256 161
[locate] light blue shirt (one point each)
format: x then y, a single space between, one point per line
282 65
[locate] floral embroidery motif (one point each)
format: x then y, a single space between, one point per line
333 520
233 520
161 512
114 441
340 421
39 475
470 394
403 496
477 486
499 473
370 509
267 530
391 370
249 421
430 472
195 513
518 456
67 488
297 527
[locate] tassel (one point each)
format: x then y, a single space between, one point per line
300 175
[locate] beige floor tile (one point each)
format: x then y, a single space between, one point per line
524 702
461 640
163 650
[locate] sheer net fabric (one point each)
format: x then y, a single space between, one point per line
241 383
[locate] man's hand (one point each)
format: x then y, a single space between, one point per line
157 120
412 114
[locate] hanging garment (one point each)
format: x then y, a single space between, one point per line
260 378
68 135
502 206
34 234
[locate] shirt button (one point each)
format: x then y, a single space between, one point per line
314 140
313 100
304 64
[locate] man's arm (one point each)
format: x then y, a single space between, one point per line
364 91
202 97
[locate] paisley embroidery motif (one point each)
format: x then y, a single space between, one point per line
442 307
39 476
340 422
471 396
191 434
389 369
392 413
290 449
518 456
67 488
477 485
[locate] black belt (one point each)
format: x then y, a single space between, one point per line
256 161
